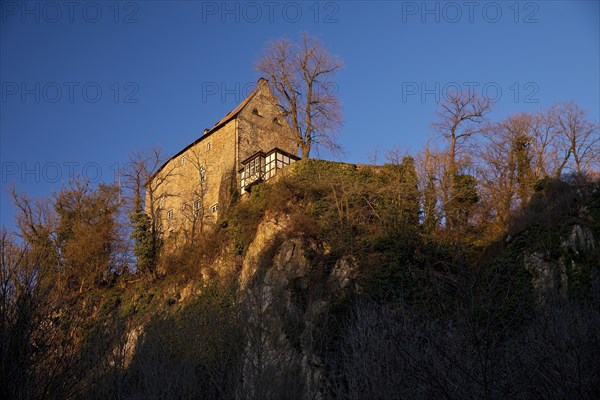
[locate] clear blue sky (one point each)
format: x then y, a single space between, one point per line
85 83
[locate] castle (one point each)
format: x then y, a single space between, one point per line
250 144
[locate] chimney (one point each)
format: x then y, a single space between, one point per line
206 130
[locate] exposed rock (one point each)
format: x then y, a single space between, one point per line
542 272
186 292
548 277
344 272
580 239
280 279
552 276
290 262
266 233
224 265
131 341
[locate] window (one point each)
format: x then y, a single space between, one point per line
255 111
214 208
202 174
161 201
208 146
197 205
183 207
182 161
170 214
270 166
254 166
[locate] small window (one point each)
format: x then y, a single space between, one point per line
255 111
254 166
170 214
183 207
161 201
202 173
197 205
182 161
214 208
276 121
197 213
208 146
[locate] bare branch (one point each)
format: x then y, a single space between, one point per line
300 76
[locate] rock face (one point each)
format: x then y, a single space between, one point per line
580 239
546 276
287 291
550 275
267 232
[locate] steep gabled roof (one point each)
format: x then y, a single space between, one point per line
231 115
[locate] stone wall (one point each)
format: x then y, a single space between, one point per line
256 127
260 127
214 157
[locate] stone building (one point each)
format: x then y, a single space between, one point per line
250 144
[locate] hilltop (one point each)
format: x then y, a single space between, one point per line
327 282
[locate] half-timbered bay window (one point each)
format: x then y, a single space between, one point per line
263 166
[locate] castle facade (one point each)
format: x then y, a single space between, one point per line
250 144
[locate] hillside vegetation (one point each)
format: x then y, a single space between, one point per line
329 282
465 271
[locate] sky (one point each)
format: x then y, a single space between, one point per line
86 83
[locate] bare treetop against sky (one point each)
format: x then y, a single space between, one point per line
84 83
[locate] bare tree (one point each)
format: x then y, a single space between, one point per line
543 145
146 180
301 77
37 222
506 171
460 116
194 209
430 173
46 349
578 138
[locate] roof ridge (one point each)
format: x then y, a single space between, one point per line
231 114
228 117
